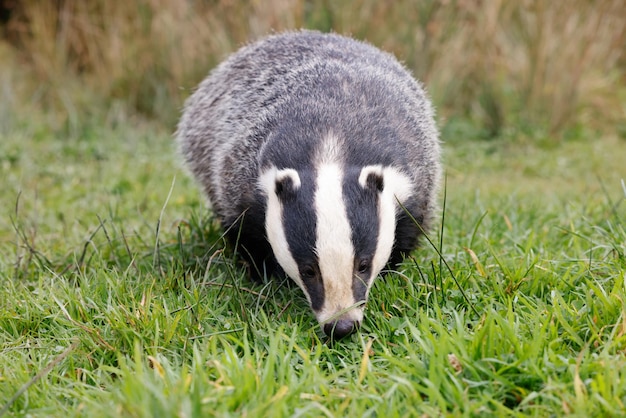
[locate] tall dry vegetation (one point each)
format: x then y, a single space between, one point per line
512 68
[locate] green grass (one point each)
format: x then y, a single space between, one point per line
106 249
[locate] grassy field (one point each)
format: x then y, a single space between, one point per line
117 297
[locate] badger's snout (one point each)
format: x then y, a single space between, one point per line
341 328
343 322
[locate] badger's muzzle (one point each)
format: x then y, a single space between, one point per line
341 328
343 323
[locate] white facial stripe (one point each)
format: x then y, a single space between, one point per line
397 188
353 312
330 151
274 223
334 242
386 232
398 183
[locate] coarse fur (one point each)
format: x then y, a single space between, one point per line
311 148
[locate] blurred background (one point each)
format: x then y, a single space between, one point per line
531 70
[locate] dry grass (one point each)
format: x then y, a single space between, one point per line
507 67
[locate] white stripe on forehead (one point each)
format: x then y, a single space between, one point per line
330 151
334 246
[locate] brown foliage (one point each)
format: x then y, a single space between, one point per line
550 64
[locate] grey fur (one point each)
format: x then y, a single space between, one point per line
269 101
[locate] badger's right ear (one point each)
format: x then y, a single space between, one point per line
287 182
283 183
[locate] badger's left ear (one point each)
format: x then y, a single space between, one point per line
388 181
371 178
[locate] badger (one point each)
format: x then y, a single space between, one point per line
320 156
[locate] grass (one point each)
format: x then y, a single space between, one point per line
513 68
117 297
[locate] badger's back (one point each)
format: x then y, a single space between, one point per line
304 81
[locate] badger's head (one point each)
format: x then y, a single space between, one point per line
332 230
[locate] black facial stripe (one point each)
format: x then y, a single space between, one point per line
362 207
299 221
315 288
359 287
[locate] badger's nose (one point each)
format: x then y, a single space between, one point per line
341 328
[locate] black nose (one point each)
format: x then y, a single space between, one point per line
341 328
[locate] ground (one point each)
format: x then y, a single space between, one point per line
117 297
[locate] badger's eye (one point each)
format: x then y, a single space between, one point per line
364 265
307 272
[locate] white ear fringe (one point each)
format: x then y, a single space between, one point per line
291 174
268 179
396 182
367 170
